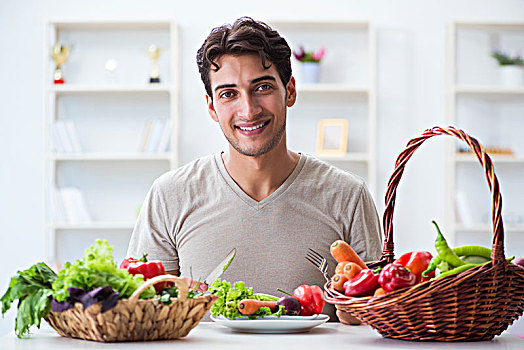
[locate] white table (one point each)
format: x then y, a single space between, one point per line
208 335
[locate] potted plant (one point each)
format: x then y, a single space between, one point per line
511 68
309 64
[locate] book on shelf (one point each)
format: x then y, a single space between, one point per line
57 207
145 137
163 145
462 210
70 206
65 137
156 136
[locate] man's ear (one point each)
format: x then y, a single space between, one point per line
211 108
291 92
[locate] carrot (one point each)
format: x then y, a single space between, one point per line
250 306
351 269
379 291
340 266
338 281
342 251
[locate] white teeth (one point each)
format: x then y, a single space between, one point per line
251 128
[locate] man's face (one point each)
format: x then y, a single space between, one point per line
249 102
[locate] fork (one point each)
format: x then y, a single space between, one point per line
319 261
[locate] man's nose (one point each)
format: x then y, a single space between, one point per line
249 106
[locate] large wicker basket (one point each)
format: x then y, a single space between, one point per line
477 304
134 318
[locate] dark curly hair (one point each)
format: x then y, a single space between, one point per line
243 37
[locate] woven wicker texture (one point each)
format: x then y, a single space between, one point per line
133 318
477 304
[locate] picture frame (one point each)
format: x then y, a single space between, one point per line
332 137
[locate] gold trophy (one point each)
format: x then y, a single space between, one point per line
60 54
154 53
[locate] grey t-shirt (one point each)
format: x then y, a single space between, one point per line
194 215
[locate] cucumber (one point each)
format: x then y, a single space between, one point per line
475 259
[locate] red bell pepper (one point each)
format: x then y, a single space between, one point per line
148 269
311 299
362 284
417 262
125 263
395 276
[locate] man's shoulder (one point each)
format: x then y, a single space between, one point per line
325 173
193 171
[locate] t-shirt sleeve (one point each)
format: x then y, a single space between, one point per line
151 234
365 234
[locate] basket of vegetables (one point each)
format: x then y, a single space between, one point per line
93 299
473 301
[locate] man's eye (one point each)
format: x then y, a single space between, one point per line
226 94
264 87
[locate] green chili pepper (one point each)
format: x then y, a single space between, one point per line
475 250
444 251
432 265
459 269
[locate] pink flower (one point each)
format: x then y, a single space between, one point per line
317 56
300 54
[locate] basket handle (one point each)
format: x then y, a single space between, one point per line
497 253
183 289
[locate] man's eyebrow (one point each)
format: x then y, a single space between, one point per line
224 86
265 77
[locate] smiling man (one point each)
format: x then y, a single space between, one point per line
267 201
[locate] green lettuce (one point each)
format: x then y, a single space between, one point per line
32 288
97 269
230 295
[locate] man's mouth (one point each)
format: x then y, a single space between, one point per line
252 129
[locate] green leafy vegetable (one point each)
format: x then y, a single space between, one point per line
32 288
229 296
167 294
172 292
97 269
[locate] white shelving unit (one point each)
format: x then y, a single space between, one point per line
110 111
480 103
347 90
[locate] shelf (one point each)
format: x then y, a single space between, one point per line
488 90
488 228
112 112
490 25
101 225
73 89
101 25
111 157
497 158
479 103
348 157
333 88
321 25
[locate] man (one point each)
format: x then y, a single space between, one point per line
267 201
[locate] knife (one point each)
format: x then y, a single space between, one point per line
221 267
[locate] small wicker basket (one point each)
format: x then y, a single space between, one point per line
135 319
477 304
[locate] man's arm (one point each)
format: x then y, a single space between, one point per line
151 234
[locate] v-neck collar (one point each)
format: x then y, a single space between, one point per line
250 201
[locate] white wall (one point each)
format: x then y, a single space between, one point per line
411 42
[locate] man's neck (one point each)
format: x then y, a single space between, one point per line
260 176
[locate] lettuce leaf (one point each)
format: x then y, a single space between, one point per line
32 288
97 269
230 295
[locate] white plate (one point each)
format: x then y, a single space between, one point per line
272 324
